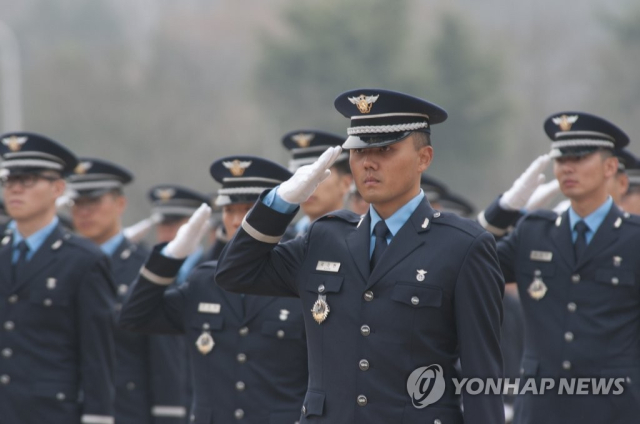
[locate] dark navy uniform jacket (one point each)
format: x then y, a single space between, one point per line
57 334
256 371
148 370
588 322
382 325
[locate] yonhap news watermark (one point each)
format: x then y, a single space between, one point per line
426 385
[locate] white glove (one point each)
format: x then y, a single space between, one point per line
517 196
562 206
306 179
543 195
189 235
140 229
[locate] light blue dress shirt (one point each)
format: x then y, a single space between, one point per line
593 220
34 241
110 246
395 221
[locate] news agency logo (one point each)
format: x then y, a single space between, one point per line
426 385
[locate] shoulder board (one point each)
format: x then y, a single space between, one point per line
542 214
468 226
342 214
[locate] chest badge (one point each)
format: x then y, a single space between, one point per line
320 310
205 343
420 275
537 289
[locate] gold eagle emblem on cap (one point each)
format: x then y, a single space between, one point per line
14 143
164 194
565 122
363 102
302 139
83 167
237 167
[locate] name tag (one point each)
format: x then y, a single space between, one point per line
209 308
328 266
540 256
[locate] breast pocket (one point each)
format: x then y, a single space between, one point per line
324 283
51 298
615 277
281 330
417 296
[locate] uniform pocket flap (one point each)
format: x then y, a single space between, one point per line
323 283
529 366
417 295
281 330
615 277
208 322
50 297
313 404
58 391
284 417
539 269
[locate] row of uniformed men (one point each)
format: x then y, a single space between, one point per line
255 344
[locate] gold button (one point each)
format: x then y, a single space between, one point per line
13 298
6 352
415 300
615 281
60 396
368 295
48 302
568 336
280 334
362 400
437 421
364 365
5 379
242 358
575 278
321 288
572 307
206 326
566 365
244 331
9 325
365 330
240 386
239 414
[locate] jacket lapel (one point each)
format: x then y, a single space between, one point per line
6 249
407 240
43 257
254 304
561 236
607 233
358 244
235 302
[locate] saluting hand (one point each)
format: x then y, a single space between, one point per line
520 192
306 179
189 235
543 195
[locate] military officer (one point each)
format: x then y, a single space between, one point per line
306 146
56 298
630 201
387 312
249 352
175 204
577 274
147 375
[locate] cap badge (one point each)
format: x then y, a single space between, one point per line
237 167
14 143
83 167
164 194
302 139
363 102
565 122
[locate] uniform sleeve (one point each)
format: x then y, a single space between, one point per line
96 300
150 307
507 250
498 221
167 369
478 309
254 261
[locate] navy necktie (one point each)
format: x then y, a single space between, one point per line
20 266
380 231
581 242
